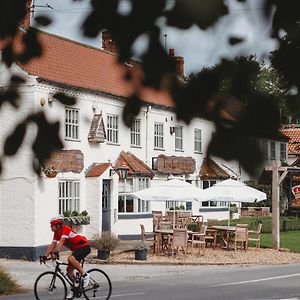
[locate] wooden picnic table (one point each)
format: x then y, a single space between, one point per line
225 233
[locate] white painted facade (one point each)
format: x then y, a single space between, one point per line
27 202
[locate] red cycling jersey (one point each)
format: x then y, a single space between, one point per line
73 240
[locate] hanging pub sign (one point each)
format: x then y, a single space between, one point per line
66 161
175 164
296 192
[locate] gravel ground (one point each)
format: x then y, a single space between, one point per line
211 257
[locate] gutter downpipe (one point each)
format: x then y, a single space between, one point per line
146 115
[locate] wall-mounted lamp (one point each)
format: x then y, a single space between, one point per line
172 129
122 171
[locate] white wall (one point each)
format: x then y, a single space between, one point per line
34 202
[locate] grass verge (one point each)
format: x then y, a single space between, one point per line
288 240
7 284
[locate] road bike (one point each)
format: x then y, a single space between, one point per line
53 284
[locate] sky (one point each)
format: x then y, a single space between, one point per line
198 48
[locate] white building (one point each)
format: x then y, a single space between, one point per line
96 143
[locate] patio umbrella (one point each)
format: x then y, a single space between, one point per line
171 190
232 191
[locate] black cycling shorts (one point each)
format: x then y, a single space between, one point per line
81 253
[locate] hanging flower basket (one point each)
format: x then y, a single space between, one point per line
52 174
50 171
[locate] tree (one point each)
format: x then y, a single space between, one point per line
158 68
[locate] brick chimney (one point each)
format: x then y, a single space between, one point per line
107 42
25 22
179 62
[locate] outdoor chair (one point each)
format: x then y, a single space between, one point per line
178 241
198 238
211 234
254 235
241 236
157 216
145 236
163 238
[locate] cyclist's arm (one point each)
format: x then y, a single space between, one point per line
60 244
50 249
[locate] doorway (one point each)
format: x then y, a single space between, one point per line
106 206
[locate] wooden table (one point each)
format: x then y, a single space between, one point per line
225 232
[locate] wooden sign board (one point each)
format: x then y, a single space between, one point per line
67 161
176 164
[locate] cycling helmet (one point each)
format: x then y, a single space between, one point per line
56 220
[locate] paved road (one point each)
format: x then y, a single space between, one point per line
147 282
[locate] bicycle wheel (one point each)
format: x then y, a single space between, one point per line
99 285
50 286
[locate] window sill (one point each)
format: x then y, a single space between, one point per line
134 215
72 140
159 149
135 146
198 152
179 150
112 144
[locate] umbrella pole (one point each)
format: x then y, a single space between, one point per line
228 213
174 211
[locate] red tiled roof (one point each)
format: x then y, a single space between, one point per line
211 170
135 165
294 141
97 169
68 62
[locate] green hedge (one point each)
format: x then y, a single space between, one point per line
286 223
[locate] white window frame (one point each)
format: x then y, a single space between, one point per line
135 133
158 136
283 152
272 150
126 187
68 195
71 123
178 138
265 149
112 129
197 140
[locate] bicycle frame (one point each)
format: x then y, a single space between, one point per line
76 289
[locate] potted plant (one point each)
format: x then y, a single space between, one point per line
141 251
50 171
104 243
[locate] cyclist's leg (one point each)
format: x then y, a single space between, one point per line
75 258
70 271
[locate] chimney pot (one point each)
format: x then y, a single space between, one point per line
179 62
25 22
171 52
107 42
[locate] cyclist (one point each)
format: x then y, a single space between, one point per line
78 244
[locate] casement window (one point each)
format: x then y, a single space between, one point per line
265 149
283 152
178 138
126 202
272 150
158 136
72 123
135 133
197 141
113 129
68 195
